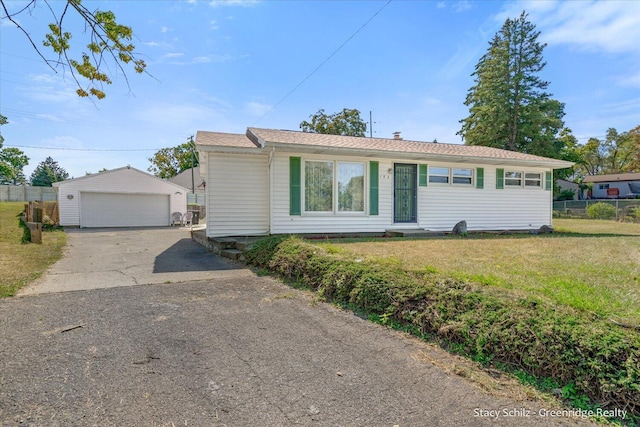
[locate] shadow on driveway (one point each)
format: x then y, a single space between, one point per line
187 255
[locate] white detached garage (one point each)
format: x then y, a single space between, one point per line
124 197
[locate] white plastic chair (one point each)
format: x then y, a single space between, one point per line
176 217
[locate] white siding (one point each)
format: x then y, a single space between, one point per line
124 180
240 203
441 206
237 194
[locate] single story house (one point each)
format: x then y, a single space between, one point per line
123 197
278 182
617 185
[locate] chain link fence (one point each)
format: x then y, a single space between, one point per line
578 208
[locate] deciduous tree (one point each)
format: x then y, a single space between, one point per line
108 41
169 162
12 161
509 106
345 122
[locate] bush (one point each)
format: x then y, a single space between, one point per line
599 359
565 195
601 210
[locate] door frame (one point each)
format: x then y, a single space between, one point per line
413 198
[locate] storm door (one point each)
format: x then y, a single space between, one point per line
404 193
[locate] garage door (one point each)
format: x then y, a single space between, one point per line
123 210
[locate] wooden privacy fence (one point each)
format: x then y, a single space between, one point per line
38 213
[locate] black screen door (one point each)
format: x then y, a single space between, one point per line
405 192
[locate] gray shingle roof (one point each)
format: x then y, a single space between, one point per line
220 139
282 138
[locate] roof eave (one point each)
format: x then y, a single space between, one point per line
314 149
228 149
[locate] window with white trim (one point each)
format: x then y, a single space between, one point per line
350 187
523 179
438 175
331 186
462 176
318 186
512 179
456 176
533 179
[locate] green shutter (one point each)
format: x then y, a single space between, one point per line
548 181
479 177
373 188
295 168
499 179
422 180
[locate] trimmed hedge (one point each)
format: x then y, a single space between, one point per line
602 360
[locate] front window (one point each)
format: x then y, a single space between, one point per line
439 175
350 187
318 186
331 186
532 179
462 176
513 179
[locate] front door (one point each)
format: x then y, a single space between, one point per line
404 193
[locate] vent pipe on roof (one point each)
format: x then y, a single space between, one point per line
396 135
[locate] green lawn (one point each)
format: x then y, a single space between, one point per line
21 263
589 265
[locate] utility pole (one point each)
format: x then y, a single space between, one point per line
370 125
193 155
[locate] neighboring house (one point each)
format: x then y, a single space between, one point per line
619 185
569 185
278 182
184 179
124 197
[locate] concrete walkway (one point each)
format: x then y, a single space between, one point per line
104 258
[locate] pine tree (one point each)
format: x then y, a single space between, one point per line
48 172
509 107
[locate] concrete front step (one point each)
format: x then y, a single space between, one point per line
233 254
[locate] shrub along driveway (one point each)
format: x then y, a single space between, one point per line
235 349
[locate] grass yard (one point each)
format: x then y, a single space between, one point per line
21 263
587 264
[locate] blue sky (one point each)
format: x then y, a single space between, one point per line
227 65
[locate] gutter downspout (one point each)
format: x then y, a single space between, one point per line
270 169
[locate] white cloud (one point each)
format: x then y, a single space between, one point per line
213 25
597 26
631 80
256 109
242 3
68 142
50 89
462 6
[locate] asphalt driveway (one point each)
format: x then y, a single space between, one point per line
231 349
110 257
